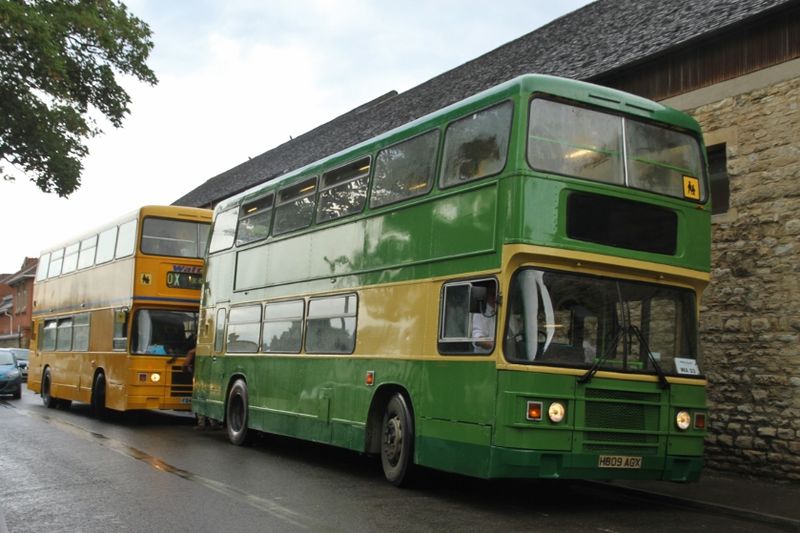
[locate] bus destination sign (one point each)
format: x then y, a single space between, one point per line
185 277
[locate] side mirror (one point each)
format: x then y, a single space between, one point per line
477 299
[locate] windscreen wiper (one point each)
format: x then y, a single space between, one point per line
662 378
611 348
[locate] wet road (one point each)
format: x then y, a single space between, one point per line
66 471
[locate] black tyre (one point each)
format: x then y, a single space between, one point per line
18 394
99 396
397 442
47 399
236 414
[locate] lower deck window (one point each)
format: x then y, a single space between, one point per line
331 324
244 324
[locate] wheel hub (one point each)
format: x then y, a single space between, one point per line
393 440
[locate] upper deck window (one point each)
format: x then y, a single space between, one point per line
56 258
88 249
343 190
70 258
405 170
224 230
476 146
44 265
126 240
254 220
105 245
174 238
295 206
598 146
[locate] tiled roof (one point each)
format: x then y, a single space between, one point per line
27 271
596 39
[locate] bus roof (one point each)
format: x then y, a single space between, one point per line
579 91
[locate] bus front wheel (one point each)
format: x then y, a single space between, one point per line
236 413
397 441
47 399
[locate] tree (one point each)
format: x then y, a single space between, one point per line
59 59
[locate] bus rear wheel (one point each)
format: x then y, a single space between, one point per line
236 414
47 399
397 441
99 395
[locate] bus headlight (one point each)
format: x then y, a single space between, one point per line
683 420
556 412
155 377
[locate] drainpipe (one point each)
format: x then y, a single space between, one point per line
11 329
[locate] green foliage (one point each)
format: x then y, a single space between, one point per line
58 60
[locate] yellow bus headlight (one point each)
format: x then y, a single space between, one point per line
155 377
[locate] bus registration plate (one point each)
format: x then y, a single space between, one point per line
619 461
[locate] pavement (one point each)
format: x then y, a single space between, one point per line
763 501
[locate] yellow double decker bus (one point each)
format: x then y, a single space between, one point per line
115 312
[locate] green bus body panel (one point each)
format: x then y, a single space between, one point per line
449 232
298 394
538 217
469 417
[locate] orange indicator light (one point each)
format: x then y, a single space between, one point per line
370 379
534 411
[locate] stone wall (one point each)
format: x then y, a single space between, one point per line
750 317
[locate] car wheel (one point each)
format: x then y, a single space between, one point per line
236 414
397 441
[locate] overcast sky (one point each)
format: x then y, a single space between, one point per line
239 77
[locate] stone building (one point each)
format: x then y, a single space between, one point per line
735 66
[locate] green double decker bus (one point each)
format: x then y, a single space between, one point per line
508 287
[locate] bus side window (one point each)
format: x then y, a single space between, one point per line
120 339
49 336
282 329
405 170
476 146
254 220
331 324
468 317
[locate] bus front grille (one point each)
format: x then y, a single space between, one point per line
181 383
621 422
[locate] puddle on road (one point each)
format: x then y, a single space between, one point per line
264 504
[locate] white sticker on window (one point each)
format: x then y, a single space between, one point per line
686 366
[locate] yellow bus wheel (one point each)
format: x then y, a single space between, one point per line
99 395
47 399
